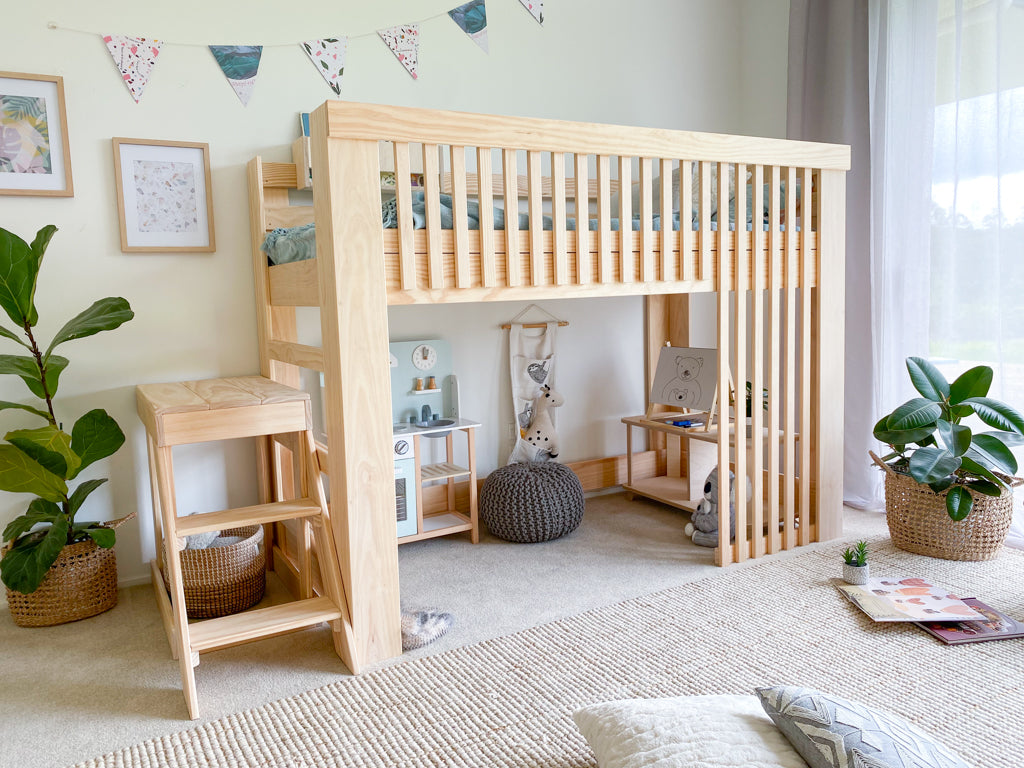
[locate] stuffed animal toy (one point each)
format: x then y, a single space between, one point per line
703 525
541 432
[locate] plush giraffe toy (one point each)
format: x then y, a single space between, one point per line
541 432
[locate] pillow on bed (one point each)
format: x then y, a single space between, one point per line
831 732
690 731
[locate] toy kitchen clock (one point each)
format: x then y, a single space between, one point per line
419 377
424 356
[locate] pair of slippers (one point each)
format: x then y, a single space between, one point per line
424 626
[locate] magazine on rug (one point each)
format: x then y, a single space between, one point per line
907 599
995 626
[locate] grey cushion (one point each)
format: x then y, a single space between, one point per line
532 501
830 732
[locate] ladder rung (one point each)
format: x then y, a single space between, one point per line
255 515
262 622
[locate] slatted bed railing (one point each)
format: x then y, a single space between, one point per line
784 333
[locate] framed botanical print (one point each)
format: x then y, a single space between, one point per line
164 195
35 158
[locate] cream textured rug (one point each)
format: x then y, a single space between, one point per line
507 702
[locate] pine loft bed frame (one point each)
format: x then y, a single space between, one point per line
785 334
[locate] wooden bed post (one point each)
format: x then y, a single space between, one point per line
828 329
354 322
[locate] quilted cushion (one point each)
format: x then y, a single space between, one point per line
831 732
685 732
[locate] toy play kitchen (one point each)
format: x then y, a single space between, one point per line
434 497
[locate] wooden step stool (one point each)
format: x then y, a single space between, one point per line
225 409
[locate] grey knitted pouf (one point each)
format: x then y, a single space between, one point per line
532 501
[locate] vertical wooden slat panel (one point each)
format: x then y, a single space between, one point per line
403 200
757 362
460 225
646 221
741 282
431 196
604 219
627 268
789 438
704 233
667 269
512 253
774 356
534 181
558 217
806 266
583 276
829 308
486 198
686 219
724 553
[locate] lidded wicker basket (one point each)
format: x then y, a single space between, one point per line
223 580
82 582
918 521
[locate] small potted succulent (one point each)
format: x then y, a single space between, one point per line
855 564
55 567
948 487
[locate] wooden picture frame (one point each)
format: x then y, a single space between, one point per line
39 162
164 196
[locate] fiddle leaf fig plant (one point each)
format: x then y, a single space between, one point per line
42 460
929 442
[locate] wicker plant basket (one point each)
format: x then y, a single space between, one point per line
222 580
81 583
918 521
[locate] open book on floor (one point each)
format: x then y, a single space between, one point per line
907 599
994 626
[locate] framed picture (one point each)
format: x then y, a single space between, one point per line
34 155
164 197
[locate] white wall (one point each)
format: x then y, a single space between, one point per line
666 63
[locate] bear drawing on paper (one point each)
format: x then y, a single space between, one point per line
684 390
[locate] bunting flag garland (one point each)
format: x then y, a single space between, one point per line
328 56
536 7
240 64
472 19
135 58
404 42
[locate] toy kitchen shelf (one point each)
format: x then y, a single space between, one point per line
674 488
437 508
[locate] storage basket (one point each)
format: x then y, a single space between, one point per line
222 580
918 521
82 582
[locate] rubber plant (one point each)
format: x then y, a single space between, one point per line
42 460
929 442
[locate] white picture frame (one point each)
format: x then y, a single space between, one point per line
164 196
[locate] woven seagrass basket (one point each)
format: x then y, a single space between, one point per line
223 580
918 521
81 583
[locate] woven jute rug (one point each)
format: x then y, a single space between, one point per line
508 702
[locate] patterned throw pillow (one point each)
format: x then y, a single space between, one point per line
830 732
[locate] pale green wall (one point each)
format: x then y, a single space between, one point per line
667 63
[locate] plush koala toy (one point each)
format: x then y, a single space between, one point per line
703 528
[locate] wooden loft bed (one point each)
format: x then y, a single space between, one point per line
785 334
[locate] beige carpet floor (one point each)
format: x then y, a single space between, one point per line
508 701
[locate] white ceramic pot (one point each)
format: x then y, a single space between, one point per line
856 574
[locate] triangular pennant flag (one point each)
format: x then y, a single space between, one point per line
536 7
240 64
472 19
328 55
135 58
404 42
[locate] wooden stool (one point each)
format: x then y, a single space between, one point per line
225 409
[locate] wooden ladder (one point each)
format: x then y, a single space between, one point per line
225 409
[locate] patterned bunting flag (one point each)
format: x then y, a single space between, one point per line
536 7
240 64
328 56
472 19
404 42
135 58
